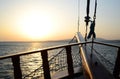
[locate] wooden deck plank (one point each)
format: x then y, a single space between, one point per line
64 74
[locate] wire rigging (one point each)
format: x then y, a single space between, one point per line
78 15
94 17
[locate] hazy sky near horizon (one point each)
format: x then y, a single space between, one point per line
40 20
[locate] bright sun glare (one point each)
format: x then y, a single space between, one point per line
36 26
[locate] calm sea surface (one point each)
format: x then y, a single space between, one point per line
31 62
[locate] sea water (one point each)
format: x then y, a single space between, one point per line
33 61
29 62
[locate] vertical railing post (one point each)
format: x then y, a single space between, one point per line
46 68
69 61
17 69
116 70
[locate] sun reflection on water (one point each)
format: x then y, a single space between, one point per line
32 61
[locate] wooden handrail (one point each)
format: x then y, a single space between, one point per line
44 54
100 43
36 51
54 47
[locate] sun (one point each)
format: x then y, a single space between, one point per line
36 26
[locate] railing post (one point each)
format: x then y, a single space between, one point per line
17 69
116 70
69 61
46 68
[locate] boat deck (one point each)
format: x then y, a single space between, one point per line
64 74
98 71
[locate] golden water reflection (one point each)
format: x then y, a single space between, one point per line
32 61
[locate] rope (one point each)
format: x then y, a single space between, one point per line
88 4
94 17
103 57
86 34
92 47
92 28
87 17
49 60
78 14
87 12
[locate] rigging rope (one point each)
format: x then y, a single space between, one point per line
92 26
87 17
87 12
78 15
94 17
108 61
51 58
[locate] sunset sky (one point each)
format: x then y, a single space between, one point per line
41 20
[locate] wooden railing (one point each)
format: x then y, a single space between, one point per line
16 60
18 73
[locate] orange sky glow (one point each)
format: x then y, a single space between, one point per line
38 20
